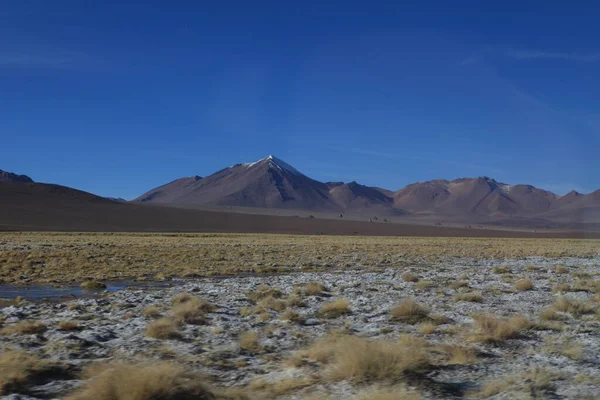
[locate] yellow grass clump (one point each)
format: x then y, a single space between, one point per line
360 360
249 342
153 381
489 329
17 368
524 284
386 393
572 306
24 328
68 326
408 311
163 328
471 297
335 308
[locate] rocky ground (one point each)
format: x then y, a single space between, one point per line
526 328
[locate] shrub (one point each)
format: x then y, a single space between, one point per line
408 311
154 381
335 308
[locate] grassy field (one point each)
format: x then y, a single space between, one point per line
75 257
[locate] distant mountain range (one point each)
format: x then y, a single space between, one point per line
274 184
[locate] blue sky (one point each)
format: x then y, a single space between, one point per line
118 97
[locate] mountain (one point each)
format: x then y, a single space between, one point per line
266 183
271 183
473 197
10 177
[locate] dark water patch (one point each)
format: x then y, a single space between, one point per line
58 292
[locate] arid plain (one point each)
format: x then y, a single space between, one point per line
235 316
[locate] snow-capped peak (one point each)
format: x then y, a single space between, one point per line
276 163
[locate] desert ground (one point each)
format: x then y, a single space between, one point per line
256 316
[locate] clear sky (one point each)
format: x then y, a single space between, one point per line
117 97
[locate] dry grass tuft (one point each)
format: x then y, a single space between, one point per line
17 368
561 269
291 315
154 381
335 308
489 329
24 328
249 342
271 303
549 314
459 355
502 269
524 284
360 360
314 289
264 291
569 349
68 326
471 297
386 393
572 306
408 311
152 312
164 328
192 310
409 277
428 328
421 285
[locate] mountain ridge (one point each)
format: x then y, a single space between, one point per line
273 183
